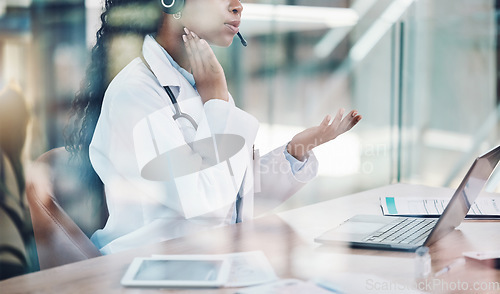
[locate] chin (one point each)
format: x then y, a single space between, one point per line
228 43
222 43
222 40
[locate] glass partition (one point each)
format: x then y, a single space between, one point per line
422 73
449 101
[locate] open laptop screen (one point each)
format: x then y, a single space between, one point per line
465 195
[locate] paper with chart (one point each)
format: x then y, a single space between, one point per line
483 207
249 268
286 286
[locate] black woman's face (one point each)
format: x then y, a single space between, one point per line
216 21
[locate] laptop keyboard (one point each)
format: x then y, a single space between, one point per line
407 231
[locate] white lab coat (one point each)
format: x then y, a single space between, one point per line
137 111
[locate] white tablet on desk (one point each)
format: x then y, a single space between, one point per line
177 271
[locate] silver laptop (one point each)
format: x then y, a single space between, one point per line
409 233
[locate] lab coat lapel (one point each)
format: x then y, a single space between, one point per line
187 98
161 67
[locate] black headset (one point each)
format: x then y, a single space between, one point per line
172 6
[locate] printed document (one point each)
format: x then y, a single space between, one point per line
483 207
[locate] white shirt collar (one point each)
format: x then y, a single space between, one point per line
189 77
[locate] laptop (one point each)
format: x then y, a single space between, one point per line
409 233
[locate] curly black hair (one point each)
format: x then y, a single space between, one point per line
118 17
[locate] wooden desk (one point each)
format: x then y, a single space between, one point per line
286 239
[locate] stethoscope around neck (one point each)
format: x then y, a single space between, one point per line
178 113
237 141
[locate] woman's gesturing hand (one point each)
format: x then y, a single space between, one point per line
206 69
306 140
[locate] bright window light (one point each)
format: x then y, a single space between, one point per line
327 16
371 38
94 4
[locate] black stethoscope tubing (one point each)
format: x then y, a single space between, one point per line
178 113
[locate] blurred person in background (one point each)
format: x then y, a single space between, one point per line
16 235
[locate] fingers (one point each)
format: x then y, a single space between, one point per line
356 118
333 124
326 121
192 52
209 59
202 55
338 118
198 51
342 124
189 51
350 121
353 122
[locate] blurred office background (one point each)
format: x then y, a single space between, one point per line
423 74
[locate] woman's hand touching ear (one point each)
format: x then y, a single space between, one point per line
306 140
206 69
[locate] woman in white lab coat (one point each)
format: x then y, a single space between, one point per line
165 177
